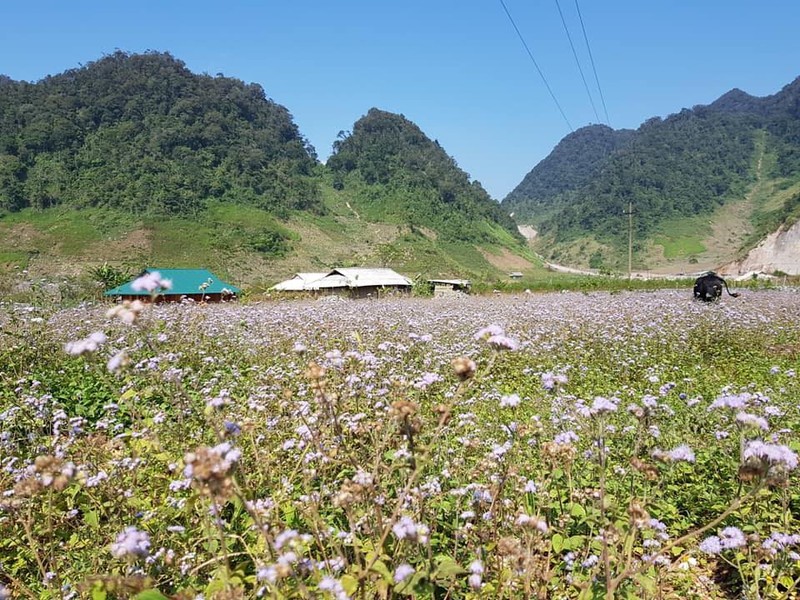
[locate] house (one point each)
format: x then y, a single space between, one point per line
365 282
515 275
355 282
193 284
299 283
449 287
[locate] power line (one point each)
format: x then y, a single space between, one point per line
591 58
577 62
535 64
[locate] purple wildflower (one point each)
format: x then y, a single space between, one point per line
681 453
590 561
732 537
475 578
565 438
131 543
551 380
777 542
602 405
407 529
502 342
87 344
475 581
509 400
732 401
488 332
426 380
772 454
403 572
334 586
750 420
711 545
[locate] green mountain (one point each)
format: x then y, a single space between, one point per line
398 174
144 134
680 174
133 160
573 164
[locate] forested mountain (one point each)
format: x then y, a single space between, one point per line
135 158
144 134
573 163
397 172
688 164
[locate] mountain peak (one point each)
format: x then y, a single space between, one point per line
736 101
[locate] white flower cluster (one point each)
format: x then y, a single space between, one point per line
127 312
88 344
151 282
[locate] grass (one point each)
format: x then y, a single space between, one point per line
682 238
67 232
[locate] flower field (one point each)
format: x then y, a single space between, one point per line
603 445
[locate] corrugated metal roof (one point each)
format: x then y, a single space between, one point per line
361 277
298 283
344 277
461 282
184 282
332 280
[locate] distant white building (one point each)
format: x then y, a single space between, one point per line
298 283
357 282
449 287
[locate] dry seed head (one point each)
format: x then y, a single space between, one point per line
443 412
638 514
509 547
53 471
752 470
350 493
210 470
28 487
564 454
649 471
464 367
315 372
403 409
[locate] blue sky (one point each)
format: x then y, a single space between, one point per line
456 68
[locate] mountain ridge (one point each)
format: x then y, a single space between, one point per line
136 153
675 170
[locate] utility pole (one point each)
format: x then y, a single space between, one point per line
630 239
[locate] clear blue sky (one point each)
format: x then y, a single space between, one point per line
456 68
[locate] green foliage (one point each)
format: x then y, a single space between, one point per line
686 165
142 133
109 276
395 172
573 163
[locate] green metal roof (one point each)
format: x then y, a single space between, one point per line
184 282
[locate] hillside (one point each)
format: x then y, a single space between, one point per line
573 164
133 160
143 134
397 173
734 162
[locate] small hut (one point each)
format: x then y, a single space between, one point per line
449 287
515 275
354 282
175 285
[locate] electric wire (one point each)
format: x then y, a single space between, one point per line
591 59
535 64
577 61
